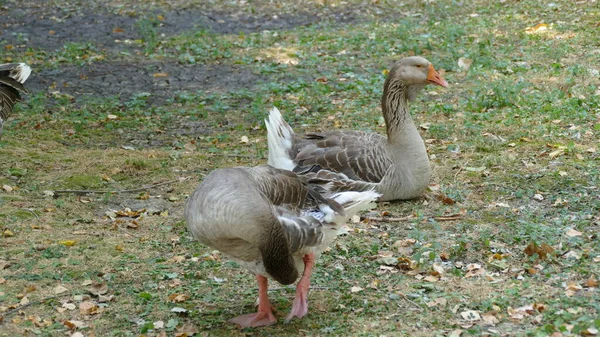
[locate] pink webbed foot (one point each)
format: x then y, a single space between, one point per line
300 304
255 320
264 316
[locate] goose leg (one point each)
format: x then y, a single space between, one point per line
300 304
264 316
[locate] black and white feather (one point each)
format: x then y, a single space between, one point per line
12 78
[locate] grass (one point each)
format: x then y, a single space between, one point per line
513 141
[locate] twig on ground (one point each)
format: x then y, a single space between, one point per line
32 212
229 155
386 219
460 169
5 314
84 192
420 308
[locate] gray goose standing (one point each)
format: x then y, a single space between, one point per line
397 166
12 77
273 223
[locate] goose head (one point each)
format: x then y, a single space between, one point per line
415 73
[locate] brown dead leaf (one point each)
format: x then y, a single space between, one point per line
69 325
490 318
540 307
8 233
406 263
59 289
118 30
474 269
186 330
431 278
542 251
589 283
177 259
177 298
88 308
98 289
445 199
2 280
539 28
7 188
441 302
572 288
160 75
24 301
521 312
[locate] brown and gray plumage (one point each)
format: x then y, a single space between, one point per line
273 223
397 166
12 77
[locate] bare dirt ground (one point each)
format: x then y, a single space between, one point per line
50 25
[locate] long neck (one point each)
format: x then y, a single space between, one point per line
394 104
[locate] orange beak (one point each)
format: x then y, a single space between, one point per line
435 78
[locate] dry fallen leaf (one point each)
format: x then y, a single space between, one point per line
432 278
177 298
540 27
355 289
442 302
68 243
572 232
59 289
589 332
490 319
455 333
88 308
24 301
69 306
571 288
464 63
590 283
542 251
98 289
186 330
7 188
470 315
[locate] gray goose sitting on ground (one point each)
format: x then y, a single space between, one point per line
12 77
397 166
273 223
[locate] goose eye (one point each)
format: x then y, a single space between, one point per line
419 66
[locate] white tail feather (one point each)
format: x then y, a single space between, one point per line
279 139
353 202
21 73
